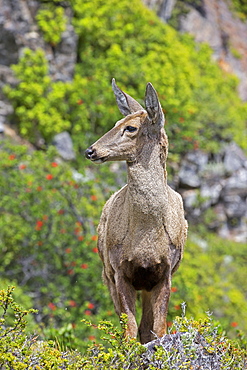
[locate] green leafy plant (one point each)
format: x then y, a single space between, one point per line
52 22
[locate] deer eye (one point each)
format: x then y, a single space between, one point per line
130 128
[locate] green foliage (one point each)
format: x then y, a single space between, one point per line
127 41
211 279
240 7
130 43
52 22
42 107
48 238
195 344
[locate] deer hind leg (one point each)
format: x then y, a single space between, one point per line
147 320
160 295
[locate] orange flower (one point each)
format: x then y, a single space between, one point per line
39 188
12 156
22 167
177 307
54 164
72 303
68 250
94 197
88 313
91 337
174 289
95 250
94 237
80 238
52 306
234 324
90 305
84 266
169 324
49 177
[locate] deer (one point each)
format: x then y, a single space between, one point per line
142 228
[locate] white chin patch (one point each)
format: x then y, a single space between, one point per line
100 160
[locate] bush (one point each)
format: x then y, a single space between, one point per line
52 22
127 41
48 237
192 345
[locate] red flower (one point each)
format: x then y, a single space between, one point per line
91 337
70 272
174 289
95 250
22 167
234 324
77 230
49 177
68 250
54 164
94 237
88 313
177 307
80 238
72 303
94 197
12 156
84 266
52 306
90 305
61 212
39 225
169 324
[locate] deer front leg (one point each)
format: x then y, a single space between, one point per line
147 321
159 300
127 298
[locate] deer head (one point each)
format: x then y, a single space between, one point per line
125 139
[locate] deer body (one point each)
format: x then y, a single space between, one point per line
142 229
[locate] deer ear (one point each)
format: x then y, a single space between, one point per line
153 106
125 102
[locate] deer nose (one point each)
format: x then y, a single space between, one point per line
89 152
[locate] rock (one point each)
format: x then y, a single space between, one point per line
234 158
236 184
64 146
235 206
192 165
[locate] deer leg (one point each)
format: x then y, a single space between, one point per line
127 298
159 300
146 325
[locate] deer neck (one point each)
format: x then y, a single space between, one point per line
147 183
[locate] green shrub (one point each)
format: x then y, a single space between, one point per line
52 22
42 107
127 41
192 344
48 237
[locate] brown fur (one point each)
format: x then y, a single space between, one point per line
142 229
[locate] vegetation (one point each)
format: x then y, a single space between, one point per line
197 344
52 22
49 214
199 99
49 211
